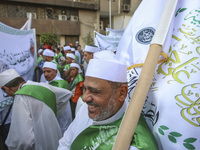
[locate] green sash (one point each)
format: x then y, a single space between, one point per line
60 83
39 59
59 55
76 59
55 58
75 81
67 66
102 137
59 67
40 93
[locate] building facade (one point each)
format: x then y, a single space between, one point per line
71 20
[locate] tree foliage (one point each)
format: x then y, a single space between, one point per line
88 39
49 38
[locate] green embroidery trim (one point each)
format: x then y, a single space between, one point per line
103 137
40 93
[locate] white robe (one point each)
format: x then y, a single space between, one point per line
82 121
34 125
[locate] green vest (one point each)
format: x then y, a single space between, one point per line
60 83
41 93
39 59
76 59
102 137
78 78
67 67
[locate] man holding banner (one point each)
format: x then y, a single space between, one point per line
98 120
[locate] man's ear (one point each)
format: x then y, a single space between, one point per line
4 88
123 90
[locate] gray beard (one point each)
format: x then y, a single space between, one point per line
107 111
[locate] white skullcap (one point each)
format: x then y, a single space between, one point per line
67 48
48 52
76 41
50 65
76 66
91 49
7 76
111 70
73 49
105 54
39 51
70 55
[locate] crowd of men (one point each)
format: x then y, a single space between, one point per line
76 100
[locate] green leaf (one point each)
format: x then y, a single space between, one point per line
183 9
161 131
172 139
176 134
177 12
189 146
190 140
164 127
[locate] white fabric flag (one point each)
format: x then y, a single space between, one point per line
114 32
106 42
134 43
172 108
17 51
27 25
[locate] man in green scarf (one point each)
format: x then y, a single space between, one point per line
50 74
98 120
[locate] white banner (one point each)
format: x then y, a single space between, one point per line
106 42
17 51
134 44
27 25
114 32
172 108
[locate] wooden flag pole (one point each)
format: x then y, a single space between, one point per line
134 109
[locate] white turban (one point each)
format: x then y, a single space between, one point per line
39 51
70 55
67 48
50 65
91 49
73 49
105 54
107 69
48 52
7 76
76 66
